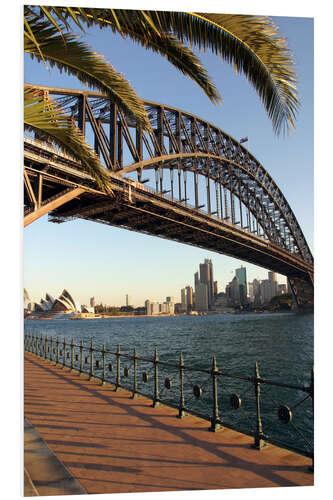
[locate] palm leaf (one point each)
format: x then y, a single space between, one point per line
252 46
43 116
249 43
139 26
77 59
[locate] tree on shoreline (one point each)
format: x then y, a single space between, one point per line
249 43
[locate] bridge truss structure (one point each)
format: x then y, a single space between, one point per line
204 188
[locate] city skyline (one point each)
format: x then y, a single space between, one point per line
199 278
92 259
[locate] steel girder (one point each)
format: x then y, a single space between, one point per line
182 142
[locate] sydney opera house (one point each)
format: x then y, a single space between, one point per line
64 303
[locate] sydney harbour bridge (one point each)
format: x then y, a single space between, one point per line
205 188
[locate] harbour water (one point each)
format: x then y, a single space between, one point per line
281 343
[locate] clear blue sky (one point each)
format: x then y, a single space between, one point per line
94 260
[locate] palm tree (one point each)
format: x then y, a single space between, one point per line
248 43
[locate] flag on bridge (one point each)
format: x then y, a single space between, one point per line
245 139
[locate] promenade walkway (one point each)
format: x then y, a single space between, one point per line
110 443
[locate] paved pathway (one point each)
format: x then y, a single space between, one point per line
111 443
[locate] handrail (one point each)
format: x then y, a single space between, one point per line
93 361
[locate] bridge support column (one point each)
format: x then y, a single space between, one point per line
52 205
303 294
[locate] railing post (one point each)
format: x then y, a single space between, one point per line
118 369
58 349
181 413
104 362
81 358
258 440
64 354
215 419
72 355
51 349
46 346
91 374
135 385
156 400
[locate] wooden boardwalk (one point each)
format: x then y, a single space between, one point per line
111 443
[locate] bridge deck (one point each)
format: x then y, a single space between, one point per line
111 443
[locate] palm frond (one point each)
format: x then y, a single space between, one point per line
139 26
75 58
252 46
43 116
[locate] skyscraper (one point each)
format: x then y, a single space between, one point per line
183 298
171 302
201 297
241 275
206 277
189 298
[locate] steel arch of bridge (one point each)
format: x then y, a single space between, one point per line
182 143
244 193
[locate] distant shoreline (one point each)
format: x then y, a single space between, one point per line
157 315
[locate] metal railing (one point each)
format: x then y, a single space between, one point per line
184 389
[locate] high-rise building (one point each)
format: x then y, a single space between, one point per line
183 298
189 298
241 275
268 288
92 302
127 300
206 277
256 292
148 307
171 302
201 297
